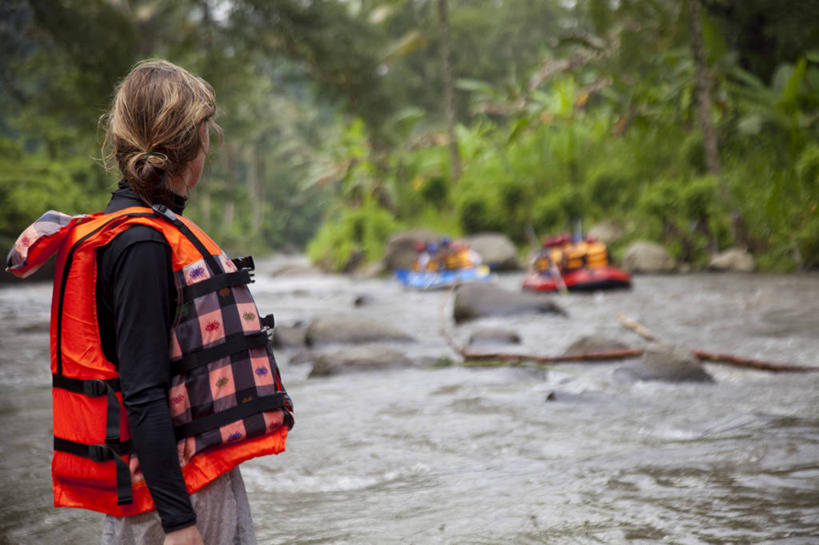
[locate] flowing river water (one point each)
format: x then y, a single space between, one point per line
458 455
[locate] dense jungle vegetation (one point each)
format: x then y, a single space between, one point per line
694 123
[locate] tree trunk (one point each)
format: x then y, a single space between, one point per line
449 108
703 94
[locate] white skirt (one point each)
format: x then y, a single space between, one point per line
222 516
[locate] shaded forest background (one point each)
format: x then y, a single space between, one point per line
693 123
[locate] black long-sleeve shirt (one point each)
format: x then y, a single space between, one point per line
136 302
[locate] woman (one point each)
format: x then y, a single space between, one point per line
164 469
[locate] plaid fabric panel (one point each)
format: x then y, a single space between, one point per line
179 401
227 264
223 384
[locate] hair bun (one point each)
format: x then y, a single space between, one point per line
155 159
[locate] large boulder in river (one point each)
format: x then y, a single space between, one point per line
591 344
351 330
288 336
357 359
480 300
732 259
666 363
296 269
496 250
606 231
400 252
648 257
493 335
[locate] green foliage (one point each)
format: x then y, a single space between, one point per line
693 150
549 215
699 197
479 212
566 110
435 191
807 168
807 241
30 184
350 234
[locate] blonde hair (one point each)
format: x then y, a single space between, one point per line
152 128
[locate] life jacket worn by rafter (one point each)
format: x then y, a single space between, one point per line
226 398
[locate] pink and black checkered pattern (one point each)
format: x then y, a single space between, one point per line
206 322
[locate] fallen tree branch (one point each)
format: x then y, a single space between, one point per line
610 355
607 355
739 361
728 359
638 328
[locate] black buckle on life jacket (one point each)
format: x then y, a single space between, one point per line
244 262
163 210
268 321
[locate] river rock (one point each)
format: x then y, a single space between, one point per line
648 257
480 300
732 259
301 357
351 330
606 232
666 363
290 336
496 250
593 343
296 269
493 335
369 270
400 252
357 359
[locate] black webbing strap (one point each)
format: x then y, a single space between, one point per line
168 215
233 343
255 406
216 283
103 453
96 388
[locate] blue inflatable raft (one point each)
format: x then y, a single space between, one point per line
442 279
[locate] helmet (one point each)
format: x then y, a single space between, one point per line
432 247
420 245
445 240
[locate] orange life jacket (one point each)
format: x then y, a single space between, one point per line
227 400
596 255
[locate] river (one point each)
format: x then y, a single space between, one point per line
459 455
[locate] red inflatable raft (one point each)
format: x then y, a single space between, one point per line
585 279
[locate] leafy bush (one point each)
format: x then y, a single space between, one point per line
549 215
352 231
807 167
807 241
478 212
435 191
693 151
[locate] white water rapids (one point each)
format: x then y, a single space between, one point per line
480 456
